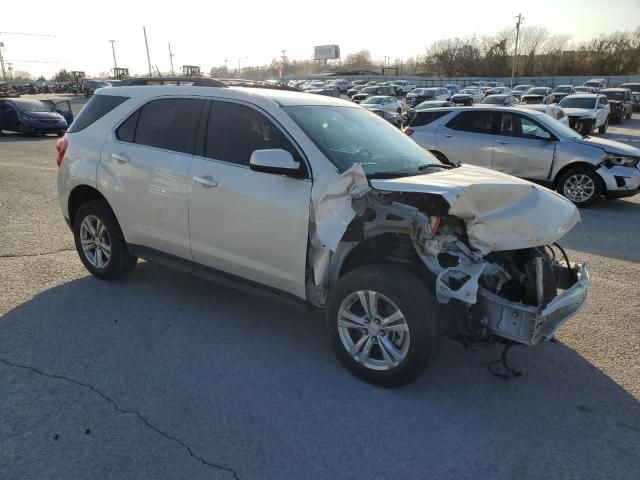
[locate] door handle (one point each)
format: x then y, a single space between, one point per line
121 157
206 181
448 135
502 142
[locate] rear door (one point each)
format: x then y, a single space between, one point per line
468 137
519 151
250 224
145 165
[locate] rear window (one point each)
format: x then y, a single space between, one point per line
426 117
97 107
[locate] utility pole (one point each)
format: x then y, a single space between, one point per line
146 44
10 68
515 53
239 69
171 60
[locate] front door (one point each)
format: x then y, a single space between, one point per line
64 109
144 173
518 149
251 224
468 137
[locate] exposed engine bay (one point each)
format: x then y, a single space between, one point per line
521 294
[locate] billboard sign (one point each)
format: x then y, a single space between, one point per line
326 52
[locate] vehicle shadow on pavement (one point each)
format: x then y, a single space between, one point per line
596 234
8 137
253 384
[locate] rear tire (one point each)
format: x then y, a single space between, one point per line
390 341
100 243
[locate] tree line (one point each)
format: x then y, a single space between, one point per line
540 53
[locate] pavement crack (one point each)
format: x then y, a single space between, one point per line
20 255
119 409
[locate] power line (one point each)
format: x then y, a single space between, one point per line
32 61
30 34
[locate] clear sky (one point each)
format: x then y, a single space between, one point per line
205 33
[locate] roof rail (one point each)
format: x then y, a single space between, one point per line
241 82
193 81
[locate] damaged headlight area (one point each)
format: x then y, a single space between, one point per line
523 295
613 159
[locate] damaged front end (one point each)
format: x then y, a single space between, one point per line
483 242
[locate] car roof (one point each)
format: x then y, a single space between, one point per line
256 95
612 89
483 107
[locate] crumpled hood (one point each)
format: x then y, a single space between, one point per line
610 146
578 112
501 212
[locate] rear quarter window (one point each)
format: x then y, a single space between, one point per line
426 117
97 107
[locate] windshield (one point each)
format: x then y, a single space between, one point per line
427 92
468 91
583 89
592 84
577 102
31 106
370 90
614 95
537 91
562 89
520 88
559 129
348 135
372 101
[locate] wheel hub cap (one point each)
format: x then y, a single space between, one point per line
378 344
95 241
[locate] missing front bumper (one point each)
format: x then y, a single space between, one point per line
528 324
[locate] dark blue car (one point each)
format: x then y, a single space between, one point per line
28 116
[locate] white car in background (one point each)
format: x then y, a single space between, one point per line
553 110
587 112
596 84
468 96
403 86
341 84
529 144
582 89
383 102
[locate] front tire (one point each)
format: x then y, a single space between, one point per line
100 243
581 185
603 128
383 324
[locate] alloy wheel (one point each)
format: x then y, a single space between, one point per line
373 330
95 241
579 188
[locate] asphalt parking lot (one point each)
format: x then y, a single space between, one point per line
163 375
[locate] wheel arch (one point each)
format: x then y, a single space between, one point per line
571 166
83 194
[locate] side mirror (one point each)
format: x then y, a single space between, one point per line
275 160
542 135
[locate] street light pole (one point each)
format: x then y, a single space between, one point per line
515 53
113 50
239 69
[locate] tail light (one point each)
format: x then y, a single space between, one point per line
61 146
408 131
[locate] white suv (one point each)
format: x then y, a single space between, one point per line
315 198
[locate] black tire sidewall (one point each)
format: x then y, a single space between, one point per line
599 188
416 302
119 251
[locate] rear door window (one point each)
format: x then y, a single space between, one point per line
169 124
476 122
